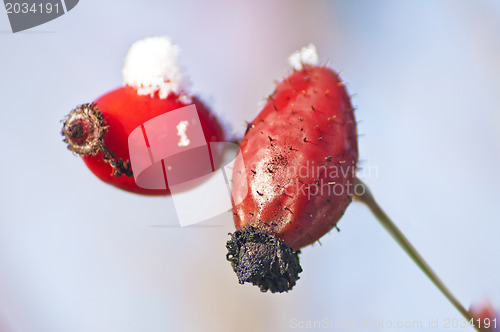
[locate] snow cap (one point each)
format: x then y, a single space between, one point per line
151 66
307 55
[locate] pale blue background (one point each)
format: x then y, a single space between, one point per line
77 255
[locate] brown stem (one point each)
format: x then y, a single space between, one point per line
367 198
119 166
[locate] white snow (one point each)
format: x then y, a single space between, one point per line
307 55
151 65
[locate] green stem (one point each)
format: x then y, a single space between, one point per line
367 198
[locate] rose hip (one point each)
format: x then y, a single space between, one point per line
300 155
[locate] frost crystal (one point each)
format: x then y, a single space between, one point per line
305 56
151 66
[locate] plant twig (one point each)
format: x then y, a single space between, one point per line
366 197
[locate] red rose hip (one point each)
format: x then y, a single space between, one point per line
300 155
99 131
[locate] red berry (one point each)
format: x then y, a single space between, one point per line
300 155
122 111
485 317
99 131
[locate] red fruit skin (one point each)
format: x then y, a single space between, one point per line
486 315
302 141
124 110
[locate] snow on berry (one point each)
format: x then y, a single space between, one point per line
151 66
300 155
307 55
154 85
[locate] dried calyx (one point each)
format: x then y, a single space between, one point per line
84 129
263 260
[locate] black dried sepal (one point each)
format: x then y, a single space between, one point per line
263 260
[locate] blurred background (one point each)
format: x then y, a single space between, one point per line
78 255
